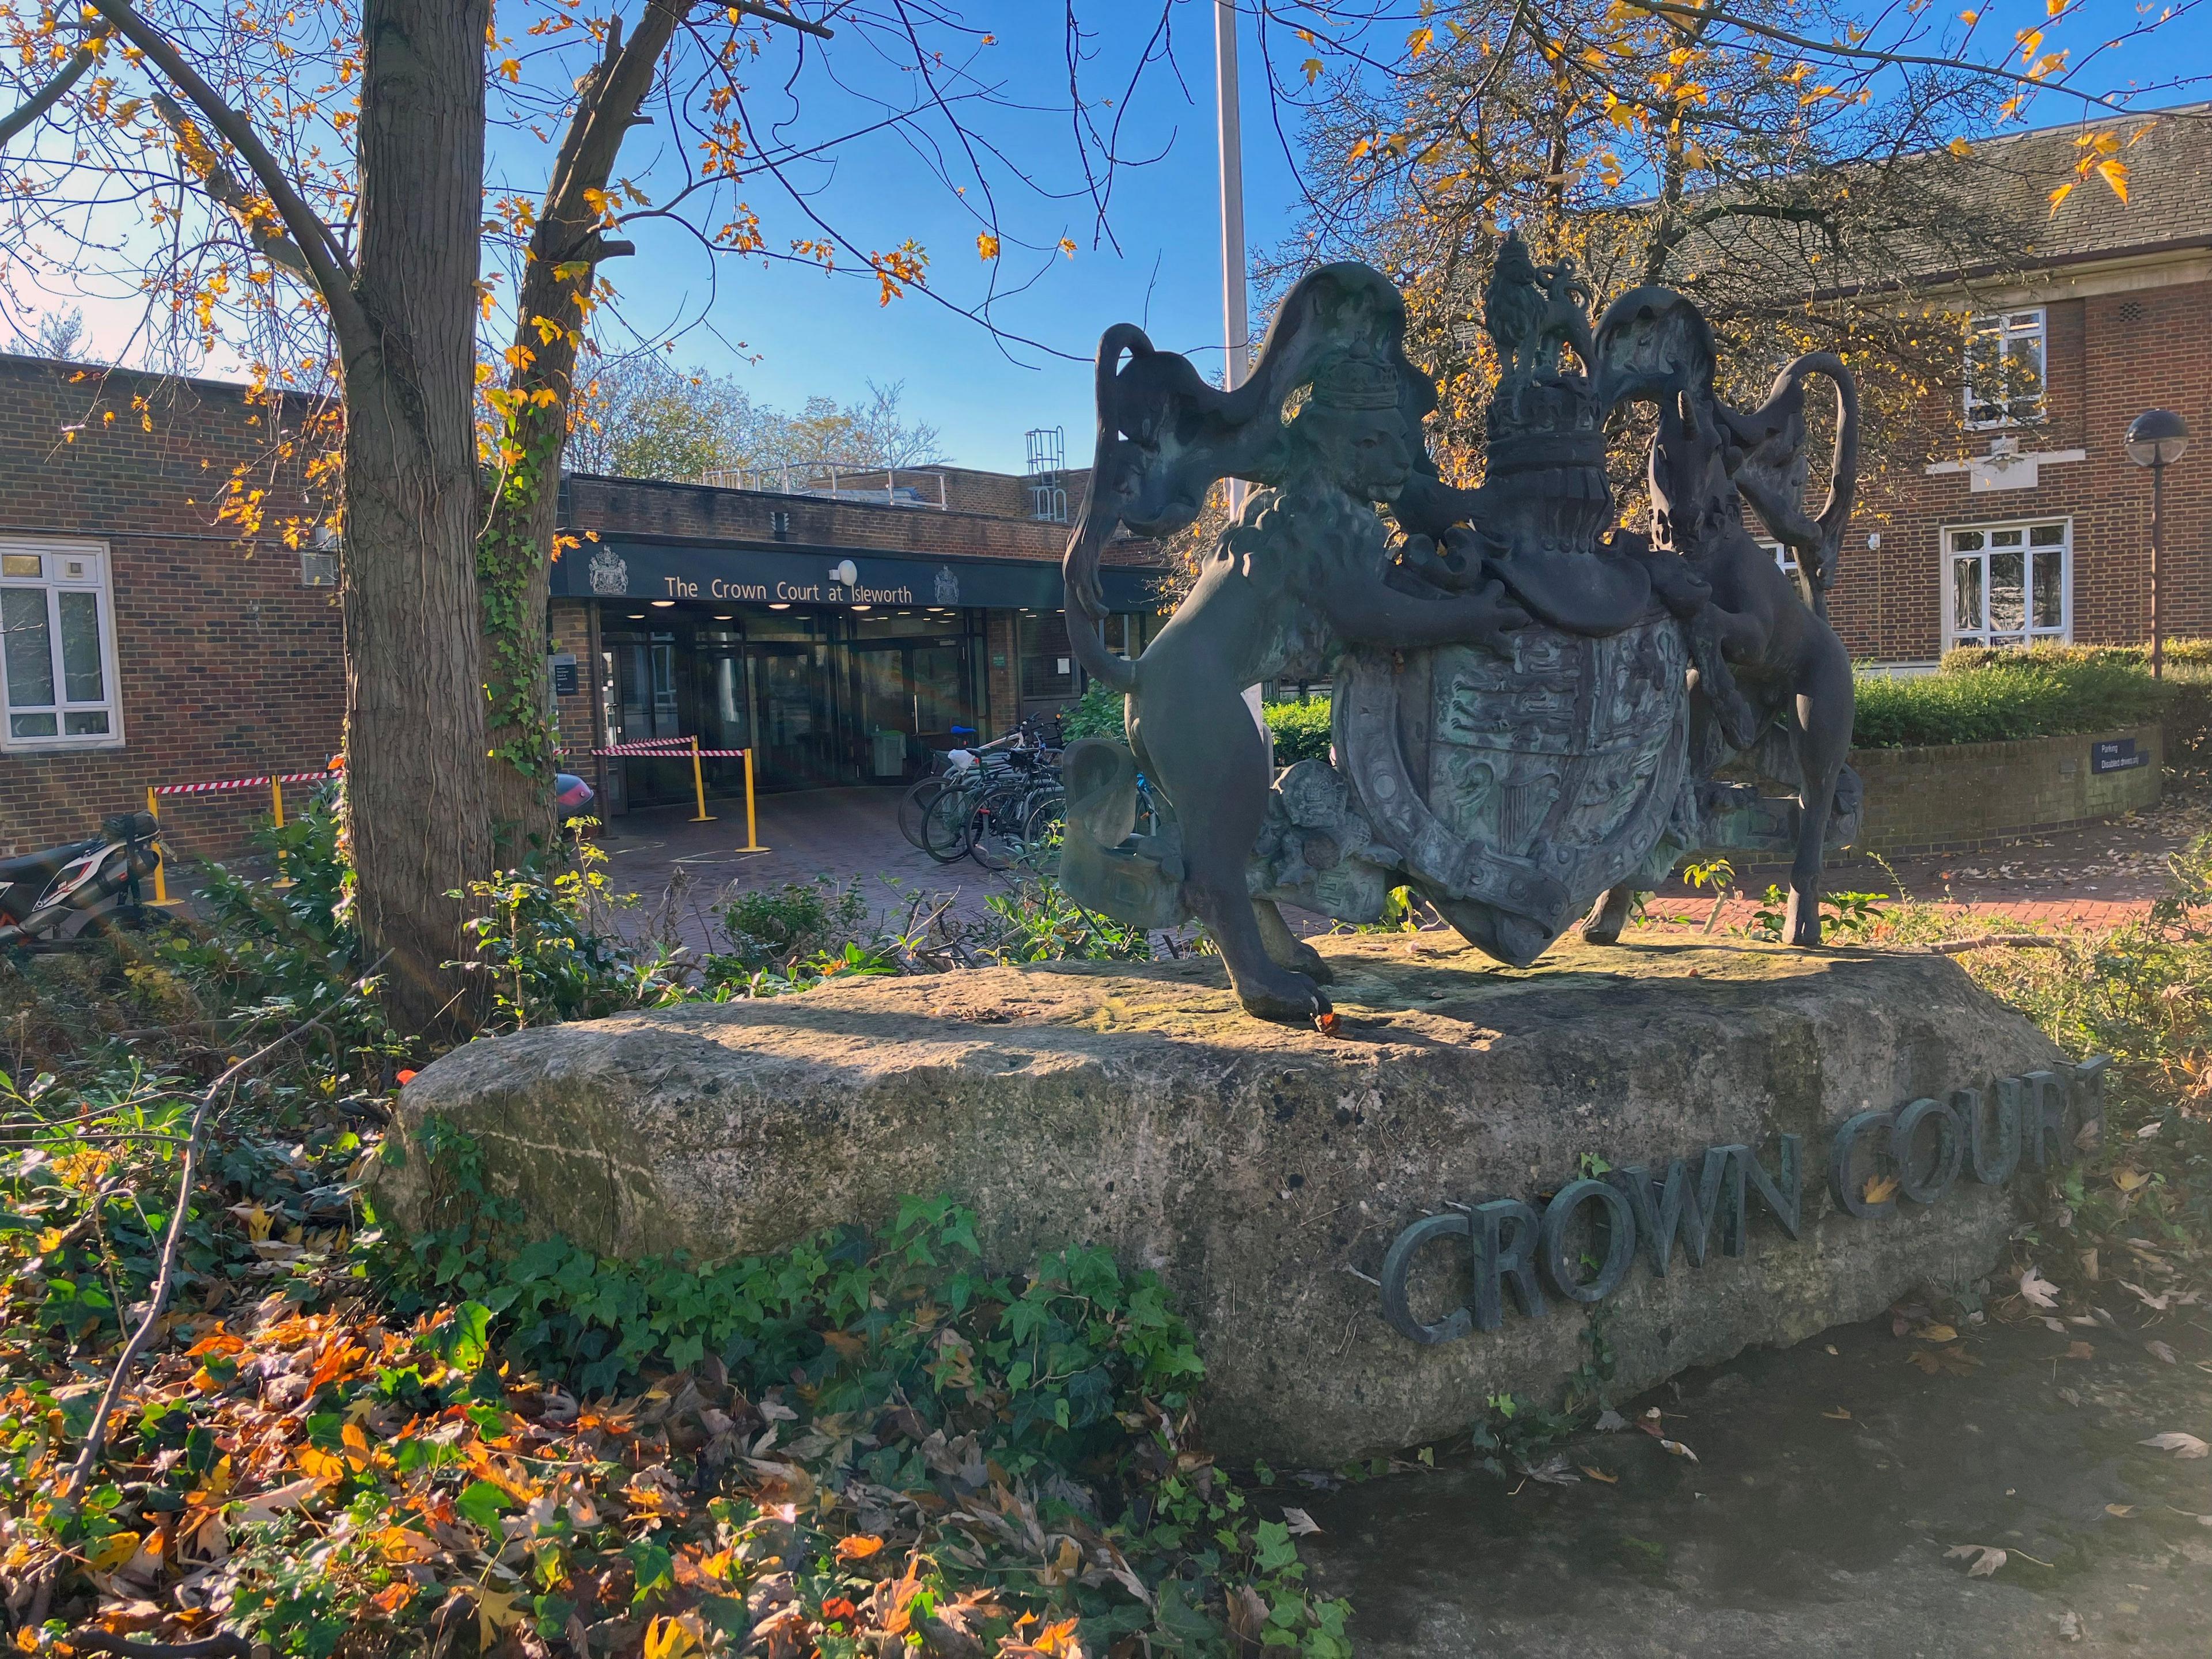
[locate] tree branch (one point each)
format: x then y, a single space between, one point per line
1678 12
49 94
776 14
327 263
221 183
95 1437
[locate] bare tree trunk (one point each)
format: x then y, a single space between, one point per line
417 801
514 555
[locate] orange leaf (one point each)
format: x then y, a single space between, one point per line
858 1547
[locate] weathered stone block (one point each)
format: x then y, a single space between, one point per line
1267 1171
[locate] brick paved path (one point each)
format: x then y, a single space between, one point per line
2097 877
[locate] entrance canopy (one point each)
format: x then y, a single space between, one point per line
748 573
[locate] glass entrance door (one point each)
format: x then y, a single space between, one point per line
793 724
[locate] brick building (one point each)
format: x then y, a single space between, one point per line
144 642
2023 517
840 629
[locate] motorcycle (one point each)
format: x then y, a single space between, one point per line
54 899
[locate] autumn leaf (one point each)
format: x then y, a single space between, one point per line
2120 1510
495 1612
2160 1351
986 246
858 1547
113 1551
1987 1558
2129 1180
1936 1334
1312 68
2183 1446
1677 1449
1838 1415
2038 1288
1596 1473
1879 1189
1299 1522
2059 195
2079 1351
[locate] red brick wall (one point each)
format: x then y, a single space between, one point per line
2110 358
617 506
226 665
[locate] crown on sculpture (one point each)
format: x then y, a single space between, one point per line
1356 382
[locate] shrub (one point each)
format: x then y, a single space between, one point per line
1301 729
1999 696
1095 713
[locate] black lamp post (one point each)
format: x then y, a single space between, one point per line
2156 438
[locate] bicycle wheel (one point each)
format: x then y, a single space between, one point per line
994 828
944 826
1046 829
913 807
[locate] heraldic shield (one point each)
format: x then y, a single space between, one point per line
1511 793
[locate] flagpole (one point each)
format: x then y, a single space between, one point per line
1236 308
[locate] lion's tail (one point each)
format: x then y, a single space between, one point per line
1095 522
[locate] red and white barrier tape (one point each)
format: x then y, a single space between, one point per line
658 749
241 783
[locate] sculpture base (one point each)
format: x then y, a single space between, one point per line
1266 1172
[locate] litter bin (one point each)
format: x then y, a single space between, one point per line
889 754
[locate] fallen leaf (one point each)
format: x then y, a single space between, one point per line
2070 1396
1879 1189
1610 1421
2161 1350
2183 1446
1951 1361
1936 1334
1677 1449
2057 1325
2069 1625
2088 1264
2079 1351
1599 1474
496 1611
2156 1304
1553 1471
2149 1131
859 1546
2129 1180
1987 1558
2123 1510
2038 1288
1838 1415
1299 1522
1328 1023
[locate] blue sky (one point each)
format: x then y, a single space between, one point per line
804 333
789 332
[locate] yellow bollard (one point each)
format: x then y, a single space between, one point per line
752 833
162 853
277 803
699 786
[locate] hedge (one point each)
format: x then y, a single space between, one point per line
2000 697
1301 729
1980 695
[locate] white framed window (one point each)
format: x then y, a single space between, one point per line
2005 365
57 681
2009 584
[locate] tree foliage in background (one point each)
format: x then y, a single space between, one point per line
1797 174
645 418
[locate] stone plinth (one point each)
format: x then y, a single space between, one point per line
1265 1171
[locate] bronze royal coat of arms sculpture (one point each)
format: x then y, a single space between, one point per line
1531 705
